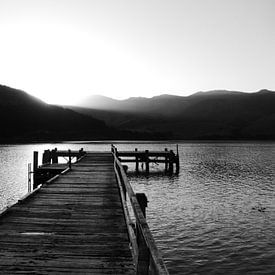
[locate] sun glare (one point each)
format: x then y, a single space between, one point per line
60 65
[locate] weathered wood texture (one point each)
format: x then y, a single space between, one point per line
169 158
146 255
74 225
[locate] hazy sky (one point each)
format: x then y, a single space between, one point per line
60 50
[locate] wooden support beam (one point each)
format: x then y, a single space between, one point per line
147 161
171 162
166 161
177 164
29 178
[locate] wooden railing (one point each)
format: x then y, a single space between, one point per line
146 255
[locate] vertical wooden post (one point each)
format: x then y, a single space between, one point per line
54 156
147 161
46 158
70 159
177 164
136 160
80 153
29 178
166 161
125 168
35 167
171 162
35 161
143 202
143 261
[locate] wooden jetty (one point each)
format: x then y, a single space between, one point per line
169 158
78 222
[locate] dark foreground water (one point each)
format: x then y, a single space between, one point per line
216 217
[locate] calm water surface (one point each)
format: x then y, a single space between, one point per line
217 216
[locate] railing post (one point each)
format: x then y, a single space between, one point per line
70 159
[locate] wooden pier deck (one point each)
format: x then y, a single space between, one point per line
75 224
77 221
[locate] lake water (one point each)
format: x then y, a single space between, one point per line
216 217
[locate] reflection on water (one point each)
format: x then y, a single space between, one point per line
216 216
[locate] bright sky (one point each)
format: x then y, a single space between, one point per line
61 50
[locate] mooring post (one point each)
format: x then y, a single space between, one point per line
136 160
143 202
70 159
35 167
147 161
143 261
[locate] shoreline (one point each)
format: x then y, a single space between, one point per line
113 141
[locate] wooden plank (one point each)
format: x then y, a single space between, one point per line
57 270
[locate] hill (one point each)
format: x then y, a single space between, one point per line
204 115
26 118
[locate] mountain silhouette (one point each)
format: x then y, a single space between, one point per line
205 115
26 118
216 114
